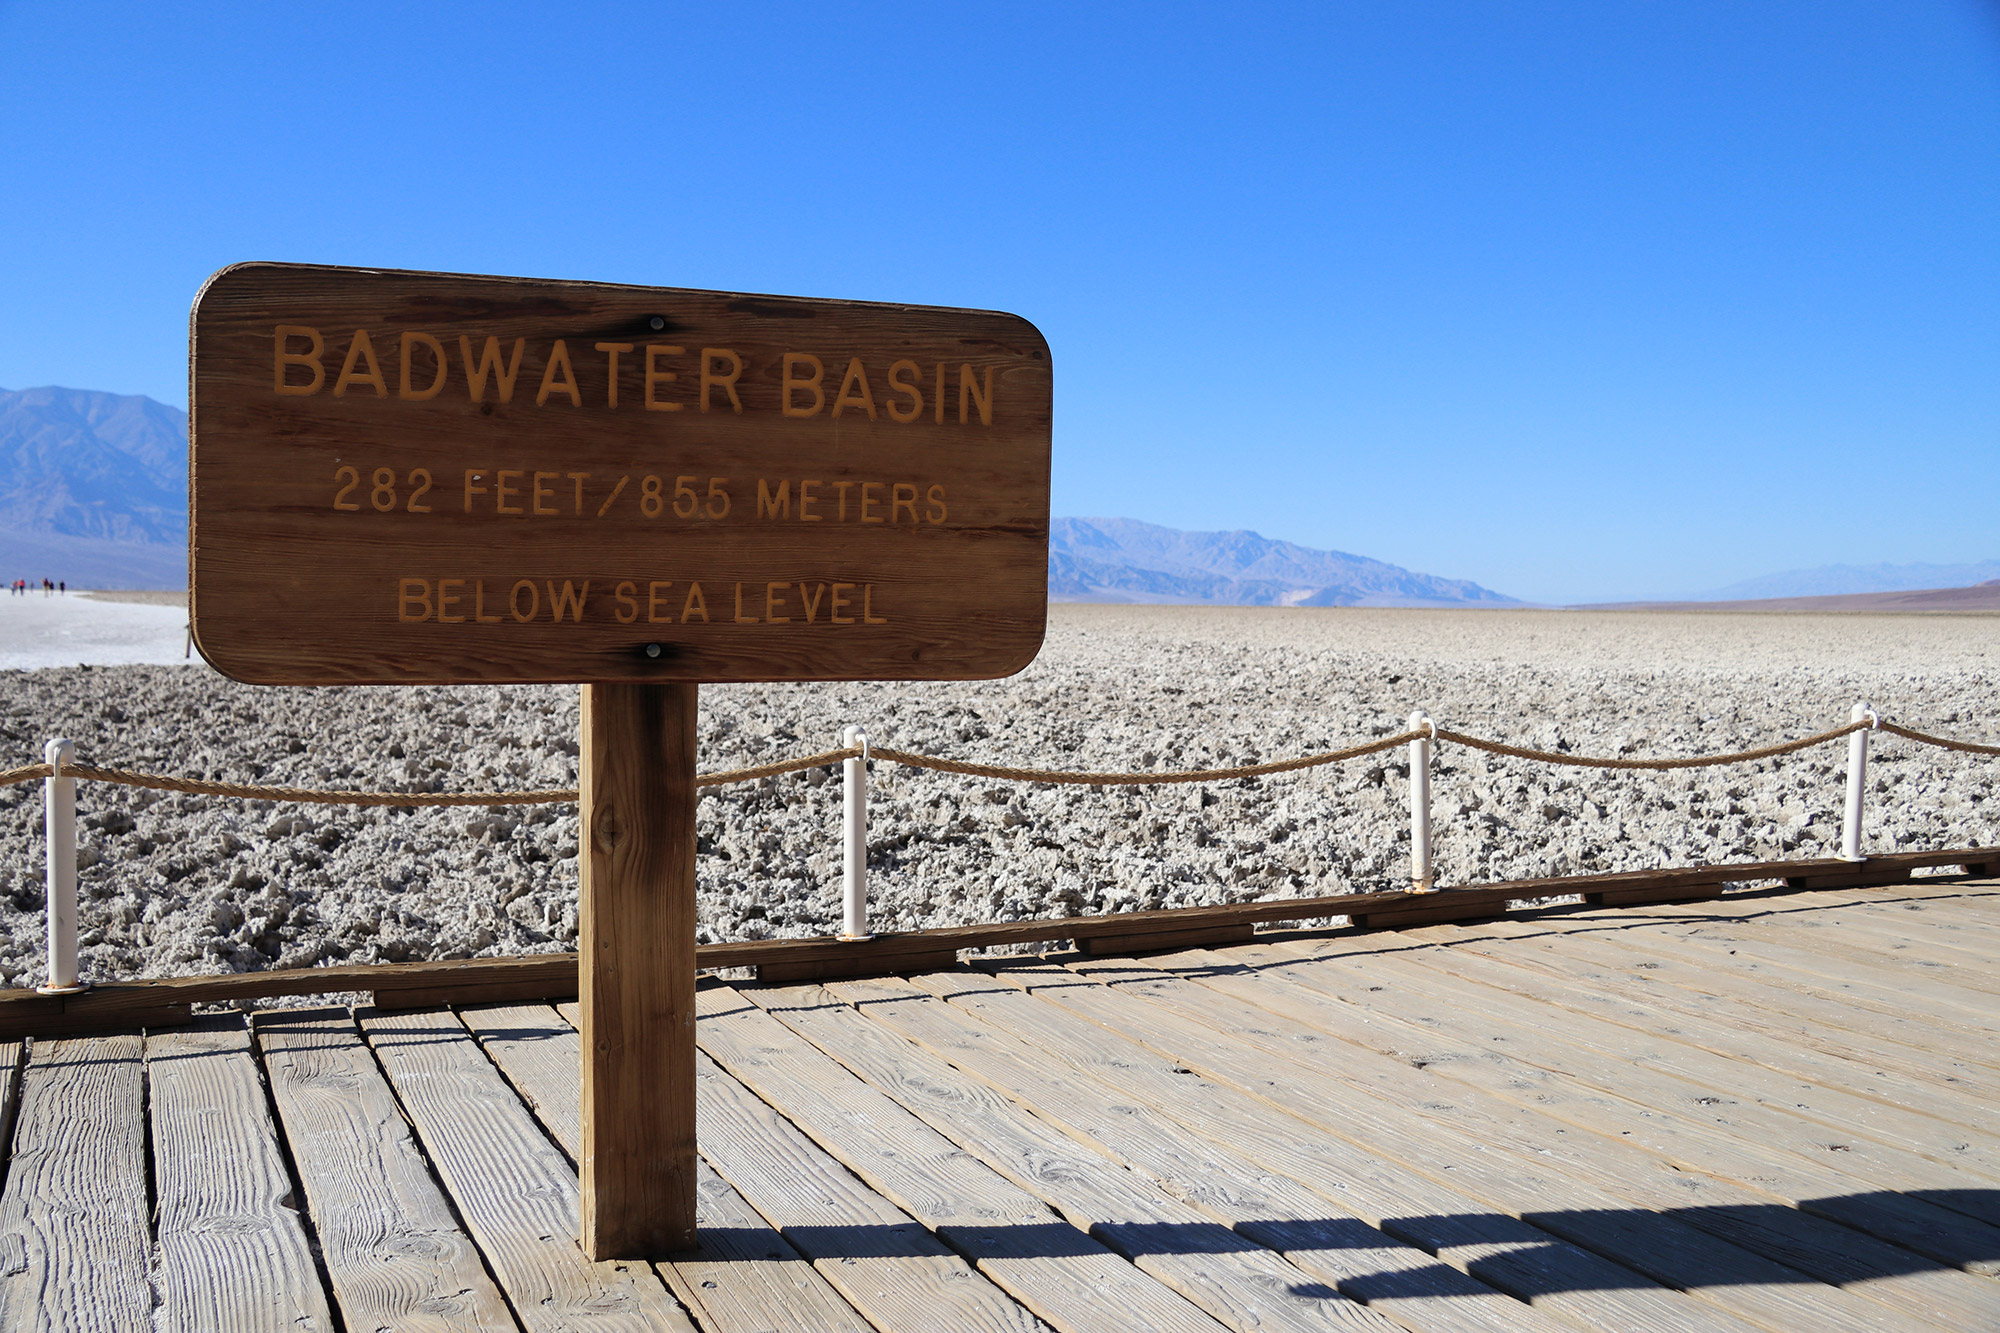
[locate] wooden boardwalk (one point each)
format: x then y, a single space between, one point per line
1772 1112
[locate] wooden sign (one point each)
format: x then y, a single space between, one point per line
433 478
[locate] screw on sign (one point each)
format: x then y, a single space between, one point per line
427 478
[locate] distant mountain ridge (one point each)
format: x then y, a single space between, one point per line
93 489
1844 580
1125 560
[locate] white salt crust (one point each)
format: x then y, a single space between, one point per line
179 884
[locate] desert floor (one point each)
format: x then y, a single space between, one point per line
175 884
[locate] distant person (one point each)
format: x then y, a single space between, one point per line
62 589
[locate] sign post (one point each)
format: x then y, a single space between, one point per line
424 478
636 938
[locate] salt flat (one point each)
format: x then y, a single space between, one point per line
176 884
68 629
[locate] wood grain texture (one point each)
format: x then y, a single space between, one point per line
299 581
1937 1057
11 1054
1238 1282
1881 985
885 1264
1443 907
884 955
514 1188
1106 946
1313 1230
1736 1094
1735 1209
1865 875
1640 897
1066 1278
1895 935
393 1253
74 1239
635 931
742 1276
1602 993
233 1255
540 1053
1505 1167
1493 1248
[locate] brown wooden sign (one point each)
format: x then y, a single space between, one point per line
426 477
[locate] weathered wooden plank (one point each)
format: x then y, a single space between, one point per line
1241 1284
74 1240
1783 1017
538 1049
1694 1223
516 1192
1874 984
32 1014
1955 927
1106 946
1844 932
1862 875
1790 959
393 1253
1311 1229
11 1053
233 1253
742 1276
1429 909
1837 932
1068 1279
1640 897
636 926
889 1267
882 955
1734 1094
1518 1063
1828 1025
1427 1210
1602 994
1521 1163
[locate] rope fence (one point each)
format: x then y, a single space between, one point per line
61 772
1000 772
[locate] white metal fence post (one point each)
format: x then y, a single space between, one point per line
854 791
1421 878
1857 783
59 801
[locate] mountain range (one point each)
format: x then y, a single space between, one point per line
93 489
1124 560
1845 580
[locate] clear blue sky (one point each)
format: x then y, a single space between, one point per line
1580 301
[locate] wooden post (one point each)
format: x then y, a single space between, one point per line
636 929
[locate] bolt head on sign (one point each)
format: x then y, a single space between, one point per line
433 478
